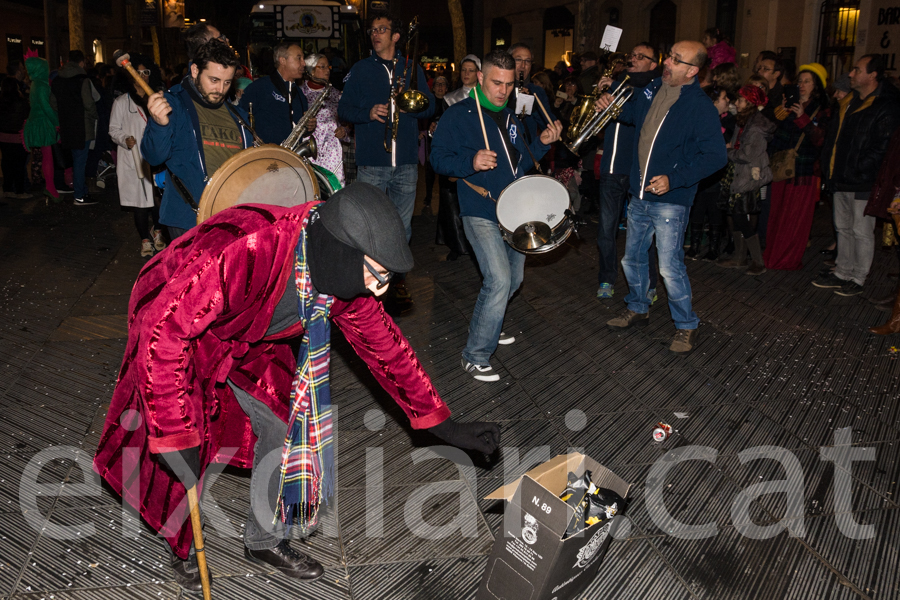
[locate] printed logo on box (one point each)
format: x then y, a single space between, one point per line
590 549
529 530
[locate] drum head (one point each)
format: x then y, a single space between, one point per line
268 174
532 198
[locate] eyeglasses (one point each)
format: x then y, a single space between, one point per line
525 61
638 56
383 278
381 29
144 72
326 67
678 61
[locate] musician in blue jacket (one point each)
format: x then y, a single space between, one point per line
366 102
193 129
678 141
458 150
277 100
535 121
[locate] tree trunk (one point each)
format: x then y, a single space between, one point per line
589 27
459 34
76 26
50 34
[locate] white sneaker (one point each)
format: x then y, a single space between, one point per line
480 373
506 340
146 248
158 242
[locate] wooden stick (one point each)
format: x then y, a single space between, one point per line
487 146
125 62
198 541
543 110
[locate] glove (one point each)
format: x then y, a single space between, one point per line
477 435
185 464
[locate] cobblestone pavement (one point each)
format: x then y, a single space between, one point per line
781 363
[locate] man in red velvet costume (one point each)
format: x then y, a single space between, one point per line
208 375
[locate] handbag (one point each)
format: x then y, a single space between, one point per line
783 163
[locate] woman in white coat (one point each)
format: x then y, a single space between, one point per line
126 128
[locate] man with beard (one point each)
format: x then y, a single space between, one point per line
193 130
618 144
209 375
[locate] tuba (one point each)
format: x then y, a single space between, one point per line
584 112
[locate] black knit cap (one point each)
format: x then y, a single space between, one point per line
363 217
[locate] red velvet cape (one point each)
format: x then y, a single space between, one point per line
198 315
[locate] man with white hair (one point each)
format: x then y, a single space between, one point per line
277 103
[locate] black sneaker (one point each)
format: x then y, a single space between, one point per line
287 560
828 281
850 288
86 201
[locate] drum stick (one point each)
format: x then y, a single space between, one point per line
487 146
543 110
124 61
198 541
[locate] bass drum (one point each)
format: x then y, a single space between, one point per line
267 174
328 182
533 212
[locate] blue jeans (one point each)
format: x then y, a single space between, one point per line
613 191
399 183
668 222
503 269
79 164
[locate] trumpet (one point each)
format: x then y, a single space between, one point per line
601 119
292 141
584 112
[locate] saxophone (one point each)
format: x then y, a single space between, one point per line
292 141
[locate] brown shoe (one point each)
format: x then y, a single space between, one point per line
628 318
684 341
756 269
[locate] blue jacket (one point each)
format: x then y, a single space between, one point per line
180 147
456 141
270 108
618 143
368 84
687 147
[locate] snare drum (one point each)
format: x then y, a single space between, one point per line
532 214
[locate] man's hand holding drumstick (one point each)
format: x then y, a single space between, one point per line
159 108
484 160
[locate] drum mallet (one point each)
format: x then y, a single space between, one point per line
124 61
199 546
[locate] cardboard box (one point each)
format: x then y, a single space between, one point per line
530 559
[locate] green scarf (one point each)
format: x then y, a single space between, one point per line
485 103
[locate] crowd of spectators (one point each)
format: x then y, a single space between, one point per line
798 138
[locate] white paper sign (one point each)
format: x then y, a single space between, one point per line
611 36
524 102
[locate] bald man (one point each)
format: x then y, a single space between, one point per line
678 141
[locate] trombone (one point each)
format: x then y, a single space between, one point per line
411 100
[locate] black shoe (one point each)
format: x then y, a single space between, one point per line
850 288
829 281
86 201
287 560
187 574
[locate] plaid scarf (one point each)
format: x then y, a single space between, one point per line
307 461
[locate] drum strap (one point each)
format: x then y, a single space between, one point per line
479 190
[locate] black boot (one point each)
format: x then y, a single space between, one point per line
187 574
715 240
287 560
696 238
